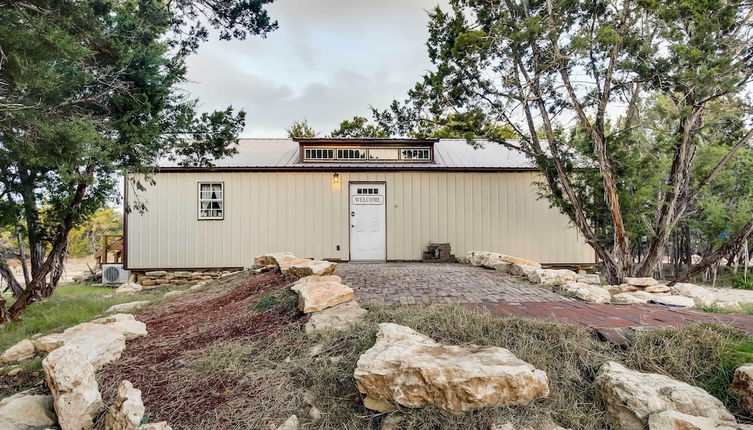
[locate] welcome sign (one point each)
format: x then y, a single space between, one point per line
368 200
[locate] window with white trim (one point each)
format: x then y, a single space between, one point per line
351 154
211 200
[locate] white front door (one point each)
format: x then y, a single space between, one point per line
368 234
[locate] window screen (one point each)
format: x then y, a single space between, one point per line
211 200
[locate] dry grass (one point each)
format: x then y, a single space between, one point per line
276 375
237 357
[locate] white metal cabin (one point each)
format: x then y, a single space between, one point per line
347 199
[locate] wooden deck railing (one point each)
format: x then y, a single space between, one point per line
111 249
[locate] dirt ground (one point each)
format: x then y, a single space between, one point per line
73 267
179 330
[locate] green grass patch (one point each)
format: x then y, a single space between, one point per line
68 306
745 309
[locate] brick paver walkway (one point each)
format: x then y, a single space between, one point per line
612 315
435 283
505 295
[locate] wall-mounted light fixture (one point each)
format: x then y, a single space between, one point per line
336 178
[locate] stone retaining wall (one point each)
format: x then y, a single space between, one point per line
157 278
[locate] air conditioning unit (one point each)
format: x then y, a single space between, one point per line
114 274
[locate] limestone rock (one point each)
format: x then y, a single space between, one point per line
681 301
673 420
635 297
48 343
127 307
336 318
632 396
316 293
410 369
654 289
125 323
587 292
490 259
551 277
22 350
312 268
589 278
641 282
728 305
127 410
24 410
162 425
74 388
156 273
502 267
176 293
198 287
700 295
621 288
520 270
272 259
100 343
289 424
128 288
742 385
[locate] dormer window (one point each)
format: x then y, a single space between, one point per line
366 154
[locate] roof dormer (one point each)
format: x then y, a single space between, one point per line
365 150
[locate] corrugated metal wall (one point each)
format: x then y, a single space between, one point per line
307 214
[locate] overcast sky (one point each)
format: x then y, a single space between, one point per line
328 61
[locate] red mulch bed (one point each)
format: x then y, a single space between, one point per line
180 327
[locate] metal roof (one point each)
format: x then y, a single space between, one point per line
449 154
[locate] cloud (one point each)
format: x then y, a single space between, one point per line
328 61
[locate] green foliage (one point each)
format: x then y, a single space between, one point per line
358 127
84 239
518 72
301 129
90 90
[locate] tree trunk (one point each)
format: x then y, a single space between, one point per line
733 243
57 270
4 315
39 285
7 274
31 213
22 257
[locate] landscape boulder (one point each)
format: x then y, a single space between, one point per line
701 296
589 278
680 301
125 323
641 282
20 351
127 307
621 288
407 368
272 259
155 426
673 420
632 397
742 385
127 410
70 377
336 318
129 288
491 259
290 424
312 268
316 293
25 411
521 270
551 277
49 342
657 289
100 343
636 297
586 292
